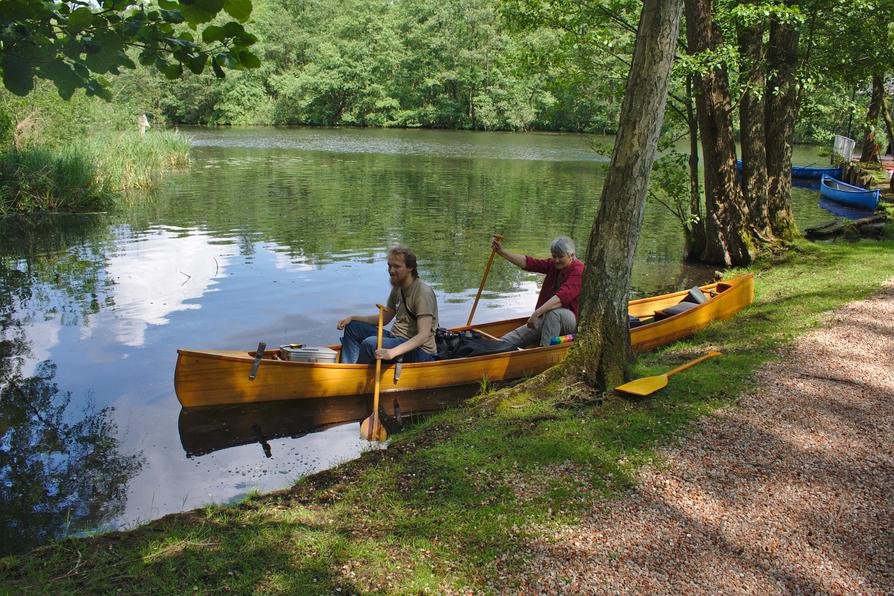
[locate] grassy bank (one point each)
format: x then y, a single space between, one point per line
453 502
86 176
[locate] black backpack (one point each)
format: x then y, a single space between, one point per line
462 344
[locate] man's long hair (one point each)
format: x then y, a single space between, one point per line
408 256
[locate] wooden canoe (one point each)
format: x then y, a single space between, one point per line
218 377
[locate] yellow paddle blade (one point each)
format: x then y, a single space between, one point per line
649 385
372 430
644 386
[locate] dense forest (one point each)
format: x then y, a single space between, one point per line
465 64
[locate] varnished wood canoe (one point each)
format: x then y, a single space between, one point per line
219 377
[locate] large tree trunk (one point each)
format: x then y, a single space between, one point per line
751 124
889 124
871 149
781 114
726 240
602 350
695 233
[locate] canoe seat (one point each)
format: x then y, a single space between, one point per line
674 310
696 296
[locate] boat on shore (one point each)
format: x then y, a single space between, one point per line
846 194
807 172
220 377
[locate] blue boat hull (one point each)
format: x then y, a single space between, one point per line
838 191
806 172
815 173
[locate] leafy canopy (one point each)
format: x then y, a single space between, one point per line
75 43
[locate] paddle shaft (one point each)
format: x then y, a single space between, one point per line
691 363
371 428
490 262
378 368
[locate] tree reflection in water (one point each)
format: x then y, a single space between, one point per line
58 477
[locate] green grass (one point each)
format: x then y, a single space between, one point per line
454 500
87 176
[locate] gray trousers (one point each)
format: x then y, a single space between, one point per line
559 321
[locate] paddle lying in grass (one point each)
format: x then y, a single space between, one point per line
483 279
371 428
649 385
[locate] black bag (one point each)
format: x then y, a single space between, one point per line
446 342
462 344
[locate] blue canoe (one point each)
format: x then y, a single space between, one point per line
838 191
807 172
815 172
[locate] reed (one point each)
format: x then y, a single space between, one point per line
40 179
87 177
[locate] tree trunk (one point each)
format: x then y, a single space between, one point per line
781 106
889 124
695 233
871 149
602 350
751 124
726 239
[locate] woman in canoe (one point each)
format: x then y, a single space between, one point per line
413 307
557 305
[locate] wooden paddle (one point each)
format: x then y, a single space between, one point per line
371 428
490 262
649 385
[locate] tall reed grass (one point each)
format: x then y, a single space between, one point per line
87 177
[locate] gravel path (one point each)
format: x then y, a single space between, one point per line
792 490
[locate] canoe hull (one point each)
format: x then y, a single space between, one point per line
214 377
853 196
814 172
806 172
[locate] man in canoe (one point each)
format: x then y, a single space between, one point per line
557 306
412 306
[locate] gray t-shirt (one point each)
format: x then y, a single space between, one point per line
410 304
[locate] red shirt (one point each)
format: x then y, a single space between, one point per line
564 283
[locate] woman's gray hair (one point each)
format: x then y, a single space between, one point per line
562 246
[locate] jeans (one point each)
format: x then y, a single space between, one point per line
559 321
358 345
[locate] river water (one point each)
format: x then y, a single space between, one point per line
273 235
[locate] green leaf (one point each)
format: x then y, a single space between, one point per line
18 75
196 64
63 77
213 33
80 19
147 57
169 4
201 11
172 16
173 71
238 9
249 60
218 71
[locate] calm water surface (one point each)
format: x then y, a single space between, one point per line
271 235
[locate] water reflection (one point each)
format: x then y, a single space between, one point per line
206 430
61 472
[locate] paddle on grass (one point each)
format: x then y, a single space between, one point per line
490 262
371 428
649 385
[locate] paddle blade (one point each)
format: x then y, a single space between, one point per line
644 386
372 430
